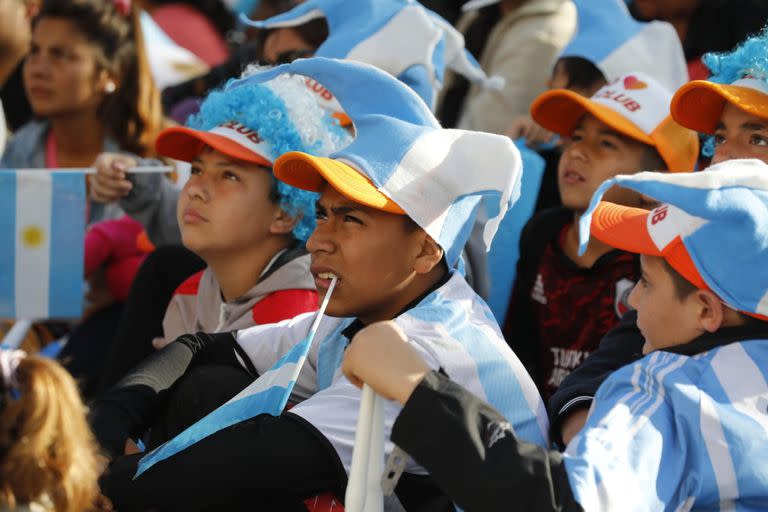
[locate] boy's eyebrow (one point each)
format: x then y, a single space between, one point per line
341 209
754 126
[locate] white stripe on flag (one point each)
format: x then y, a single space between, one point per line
276 377
34 193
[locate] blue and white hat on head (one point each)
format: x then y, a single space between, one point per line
608 36
712 228
400 37
401 160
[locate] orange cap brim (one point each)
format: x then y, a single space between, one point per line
698 105
185 144
309 172
560 110
626 228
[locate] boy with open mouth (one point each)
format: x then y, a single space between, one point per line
396 207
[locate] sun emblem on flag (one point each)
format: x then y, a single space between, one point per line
32 237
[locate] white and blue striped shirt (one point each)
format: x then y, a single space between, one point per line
452 328
675 432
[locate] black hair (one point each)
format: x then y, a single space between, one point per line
683 288
582 73
133 113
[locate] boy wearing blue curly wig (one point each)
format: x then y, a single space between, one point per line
732 105
246 225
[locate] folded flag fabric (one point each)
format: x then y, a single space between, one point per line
266 395
42 214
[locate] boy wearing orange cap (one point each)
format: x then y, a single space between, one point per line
684 428
732 107
380 251
563 303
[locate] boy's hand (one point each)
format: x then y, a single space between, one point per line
110 182
528 128
380 356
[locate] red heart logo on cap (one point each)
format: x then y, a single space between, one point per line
634 83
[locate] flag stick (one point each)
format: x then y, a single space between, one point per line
358 472
16 334
374 497
91 170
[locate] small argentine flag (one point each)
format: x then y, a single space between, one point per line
42 229
266 395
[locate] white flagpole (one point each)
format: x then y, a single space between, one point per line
16 334
374 498
358 472
91 170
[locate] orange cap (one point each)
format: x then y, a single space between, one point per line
233 139
627 228
698 105
309 172
633 105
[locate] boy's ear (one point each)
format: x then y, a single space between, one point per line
282 223
711 310
431 255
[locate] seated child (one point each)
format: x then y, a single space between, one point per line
48 457
732 105
394 256
684 428
564 302
735 111
233 213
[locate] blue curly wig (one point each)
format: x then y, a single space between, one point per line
285 115
749 58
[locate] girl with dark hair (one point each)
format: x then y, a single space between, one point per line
90 87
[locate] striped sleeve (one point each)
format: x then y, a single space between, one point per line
637 433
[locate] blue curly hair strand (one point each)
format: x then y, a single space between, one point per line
261 109
750 58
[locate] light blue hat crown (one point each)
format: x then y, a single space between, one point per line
400 37
721 216
438 177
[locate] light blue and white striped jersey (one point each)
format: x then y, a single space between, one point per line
452 328
675 432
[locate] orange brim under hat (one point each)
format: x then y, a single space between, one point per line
560 111
626 228
698 105
308 172
185 144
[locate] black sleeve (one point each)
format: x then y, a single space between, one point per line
127 409
622 345
267 463
471 452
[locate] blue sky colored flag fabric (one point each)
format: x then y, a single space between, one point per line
42 225
458 170
267 395
400 37
608 36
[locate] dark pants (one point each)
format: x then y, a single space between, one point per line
268 463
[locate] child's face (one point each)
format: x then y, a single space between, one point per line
591 155
225 206
61 75
370 251
740 134
663 318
